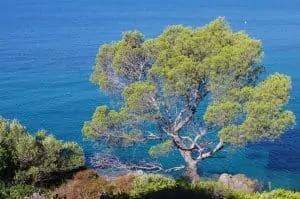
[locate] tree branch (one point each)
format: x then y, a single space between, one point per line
177 140
192 110
121 137
219 146
106 161
194 142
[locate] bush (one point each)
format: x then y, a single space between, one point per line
85 185
216 190
20 191
150 183
280 194
124 184
28 159
158 186
4 193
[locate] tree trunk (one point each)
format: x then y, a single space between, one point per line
192 169
192 172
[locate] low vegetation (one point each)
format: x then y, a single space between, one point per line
87 184
38 163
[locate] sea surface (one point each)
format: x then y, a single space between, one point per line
48 48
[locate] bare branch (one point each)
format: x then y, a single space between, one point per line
179 116
194 142
178 142
191 108
105 161
219 146
121 137
185 121
173 169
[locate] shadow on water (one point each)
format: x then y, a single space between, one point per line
283 156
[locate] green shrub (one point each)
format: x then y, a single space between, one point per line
86 184
233 194
4 193
280 194
216 190
207 189
20 191
30 159
150 183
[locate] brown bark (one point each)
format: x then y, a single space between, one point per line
192 172
191 169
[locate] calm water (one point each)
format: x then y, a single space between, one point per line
47 49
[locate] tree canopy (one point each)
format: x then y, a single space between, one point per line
187 88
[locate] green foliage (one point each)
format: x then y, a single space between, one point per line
214 189
161 149
181 61
86 184
146 184
133 136
163 82
105 119
136 95
31 159
122 61
280 194
4 193
220 114
20 191
263 112
158 186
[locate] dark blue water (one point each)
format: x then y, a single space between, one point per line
47 49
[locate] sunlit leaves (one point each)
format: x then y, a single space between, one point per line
122 63
163 80
265 118
161 149
103 120
132 137
220 114
140 97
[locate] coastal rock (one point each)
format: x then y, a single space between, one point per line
240 182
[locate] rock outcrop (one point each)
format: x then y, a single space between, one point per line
240 182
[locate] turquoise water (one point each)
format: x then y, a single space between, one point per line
47 49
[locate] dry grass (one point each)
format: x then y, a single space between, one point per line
85 185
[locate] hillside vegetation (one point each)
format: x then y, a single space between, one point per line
87 185
30 161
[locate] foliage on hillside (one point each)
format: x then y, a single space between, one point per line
86 185
28 161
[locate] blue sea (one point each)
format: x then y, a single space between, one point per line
48 48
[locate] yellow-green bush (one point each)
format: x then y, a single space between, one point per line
86 184
150 183
280 194
216 190
20 191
